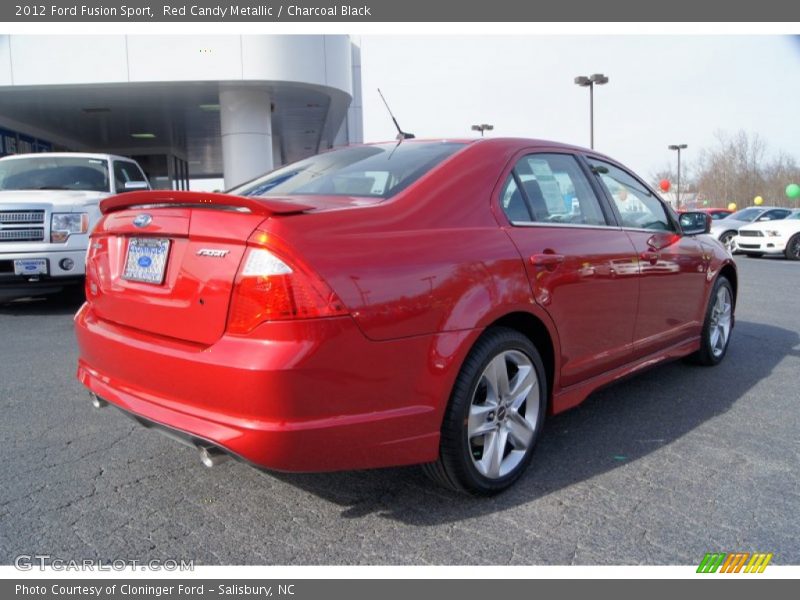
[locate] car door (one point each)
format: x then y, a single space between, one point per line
582 267
672 267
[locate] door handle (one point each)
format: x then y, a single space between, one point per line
547 259
650 256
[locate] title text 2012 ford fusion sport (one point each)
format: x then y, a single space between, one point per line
422 302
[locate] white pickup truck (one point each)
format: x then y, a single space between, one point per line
49 204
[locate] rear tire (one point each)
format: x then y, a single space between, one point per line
792 251
718 325
494 417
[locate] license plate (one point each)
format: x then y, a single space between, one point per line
30 266
146 260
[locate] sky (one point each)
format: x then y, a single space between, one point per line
663 89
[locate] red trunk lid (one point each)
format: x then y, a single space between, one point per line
204 238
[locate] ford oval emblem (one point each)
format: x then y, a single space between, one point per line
142 220
144 261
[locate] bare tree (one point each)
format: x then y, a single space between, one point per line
736 169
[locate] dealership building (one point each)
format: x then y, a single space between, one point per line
190 108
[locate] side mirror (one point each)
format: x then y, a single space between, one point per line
695 223
132 186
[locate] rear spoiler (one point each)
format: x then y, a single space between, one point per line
151 199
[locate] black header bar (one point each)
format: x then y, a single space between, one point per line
321 11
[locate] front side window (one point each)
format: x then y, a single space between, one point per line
637 206
378 171
125 171
47 172
775 214
550 188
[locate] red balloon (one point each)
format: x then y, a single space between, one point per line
664 185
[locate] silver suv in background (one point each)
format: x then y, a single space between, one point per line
49 203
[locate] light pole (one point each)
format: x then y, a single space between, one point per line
678 147
590 82
482 127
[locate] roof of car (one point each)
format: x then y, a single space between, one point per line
69 154
498 141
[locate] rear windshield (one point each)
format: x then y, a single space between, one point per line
43 172
377 171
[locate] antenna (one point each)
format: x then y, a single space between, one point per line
401 135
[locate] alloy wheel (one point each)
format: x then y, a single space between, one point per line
720 329
503 414
727 241
794 248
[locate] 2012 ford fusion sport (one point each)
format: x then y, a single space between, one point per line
417 302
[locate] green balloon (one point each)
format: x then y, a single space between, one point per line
793 191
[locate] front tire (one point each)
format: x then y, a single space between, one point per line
717 326
494 417
793 248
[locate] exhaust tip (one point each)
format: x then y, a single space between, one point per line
211 456
98 402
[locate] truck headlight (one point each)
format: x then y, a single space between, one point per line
772 233
63 225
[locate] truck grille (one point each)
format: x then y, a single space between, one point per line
21 226
22 235
750 233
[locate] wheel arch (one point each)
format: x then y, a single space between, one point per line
729 272
537 332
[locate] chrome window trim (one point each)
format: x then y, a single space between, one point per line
564 225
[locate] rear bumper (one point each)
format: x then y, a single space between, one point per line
295 396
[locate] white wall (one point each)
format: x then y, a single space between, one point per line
324 60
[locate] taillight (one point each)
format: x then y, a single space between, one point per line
274 285
89 280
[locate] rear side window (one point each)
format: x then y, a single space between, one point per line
378 171
638 207
550 188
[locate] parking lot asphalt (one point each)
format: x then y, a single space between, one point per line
659 469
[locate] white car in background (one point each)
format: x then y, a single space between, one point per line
772 237
725 230
49 203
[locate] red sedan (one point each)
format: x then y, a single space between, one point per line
390 304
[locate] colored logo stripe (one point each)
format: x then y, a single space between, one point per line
734 562
758 563
711 562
